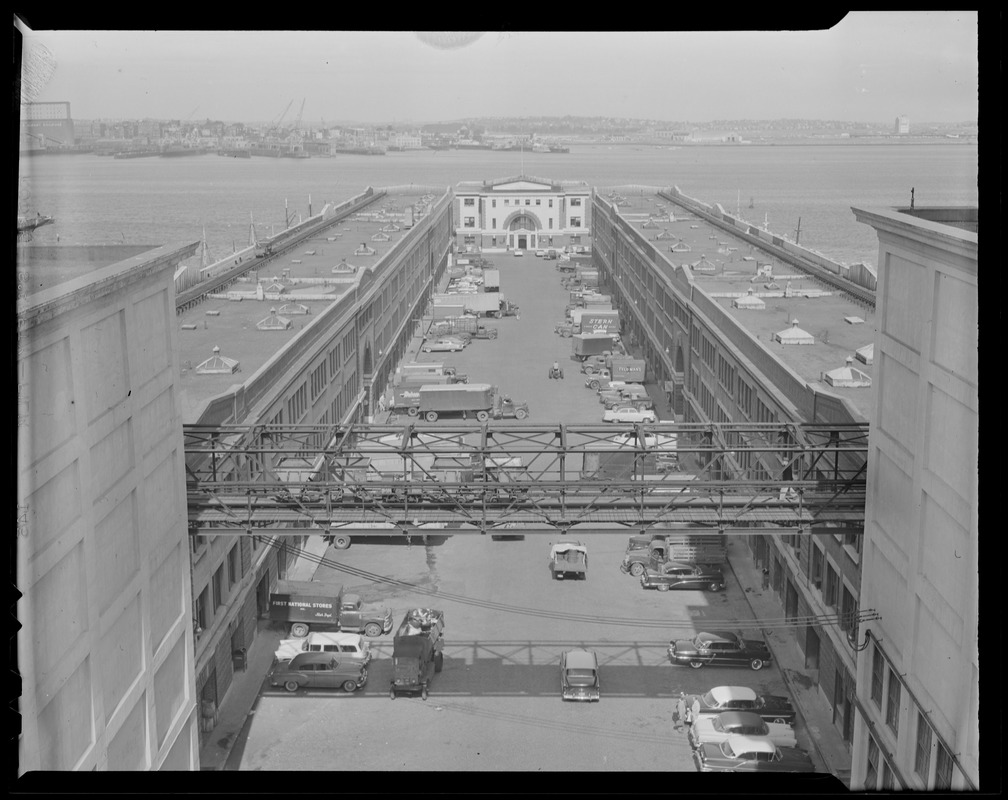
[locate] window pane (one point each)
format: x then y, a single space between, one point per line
892 706
876 679
943 768
922 763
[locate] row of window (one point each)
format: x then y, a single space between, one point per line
214 595
885 694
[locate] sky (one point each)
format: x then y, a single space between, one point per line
869 67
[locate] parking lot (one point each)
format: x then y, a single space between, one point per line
496 705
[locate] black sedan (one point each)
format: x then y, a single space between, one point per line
675 575
771 707
720 649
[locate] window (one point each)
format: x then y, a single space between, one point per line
817 567
551 223
848 613
318 380
493 222
201 613
892 703
871 771
877 675
575 201
575 222
551 203
470 222
469 201
233 575
922 761
832 583
538 201
887 776
528 202
218 587
943 768
493 203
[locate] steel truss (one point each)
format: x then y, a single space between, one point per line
492 477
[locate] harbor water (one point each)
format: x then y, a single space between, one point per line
101 200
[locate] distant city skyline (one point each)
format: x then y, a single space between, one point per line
871 67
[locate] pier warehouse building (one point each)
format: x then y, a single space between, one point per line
737 325
105 648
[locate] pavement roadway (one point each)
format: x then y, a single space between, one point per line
496 704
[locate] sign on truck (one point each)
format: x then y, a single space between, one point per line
313 605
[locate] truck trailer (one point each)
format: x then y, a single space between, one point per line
589 344
460 398
491 280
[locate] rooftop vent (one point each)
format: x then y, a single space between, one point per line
866 354
703 265
344 267
390 228
854 320
273 322
666 234
294 308
680 247
218 365
380 237
848 377
364 250
650 223
794 335
750 301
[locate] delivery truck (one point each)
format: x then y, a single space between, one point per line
313 605
491 280
589 344
462 399
601 321
489 304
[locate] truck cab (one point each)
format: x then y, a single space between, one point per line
506 408
568 560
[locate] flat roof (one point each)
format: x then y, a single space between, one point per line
233 328
44 266
735 262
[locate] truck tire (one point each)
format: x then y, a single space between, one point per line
715 586
299 630
637 569
412 411
696 664
594 385
423 693
391 693
482 416
349 687
493 334
431 416
663 587
341 541
521 413
756 663
439 662
291 686
589 369
373 630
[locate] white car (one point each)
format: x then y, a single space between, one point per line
351 646
652 441
629 414
518 253
540 253
717 728
443 345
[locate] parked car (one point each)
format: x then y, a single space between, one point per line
318 671
540 253
750 754
518 253
442 345
772 708
653 441
715 729
676 575
579 675
629 414
721 649
350 646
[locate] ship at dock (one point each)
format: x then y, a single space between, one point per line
177 150
146 152
235 152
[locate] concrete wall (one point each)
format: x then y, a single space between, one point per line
106 651
921 528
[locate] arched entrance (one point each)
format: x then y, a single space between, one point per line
523 231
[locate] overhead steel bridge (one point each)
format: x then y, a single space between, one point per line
499 477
